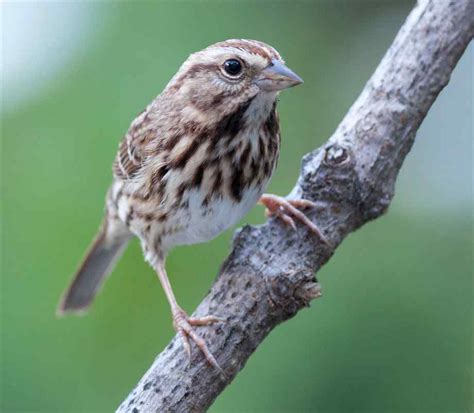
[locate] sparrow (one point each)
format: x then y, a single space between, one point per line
191 165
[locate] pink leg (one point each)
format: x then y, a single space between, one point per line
183 324
285 209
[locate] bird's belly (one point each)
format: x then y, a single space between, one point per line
197 223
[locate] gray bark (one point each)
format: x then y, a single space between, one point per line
269 275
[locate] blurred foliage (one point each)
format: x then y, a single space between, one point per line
393 330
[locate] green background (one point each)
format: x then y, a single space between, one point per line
393 330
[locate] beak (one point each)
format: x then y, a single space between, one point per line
276 76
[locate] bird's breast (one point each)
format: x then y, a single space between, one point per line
199 187
200 221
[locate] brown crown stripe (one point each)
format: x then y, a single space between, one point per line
250 46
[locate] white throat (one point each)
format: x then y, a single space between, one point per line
260 108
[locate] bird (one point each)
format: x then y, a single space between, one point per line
190 166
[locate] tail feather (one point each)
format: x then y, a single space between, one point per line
98 263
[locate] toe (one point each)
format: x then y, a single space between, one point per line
203 347
287 220
302 203
300 216
205 321
184 327
185 341
286 210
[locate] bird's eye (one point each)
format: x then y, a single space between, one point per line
233 67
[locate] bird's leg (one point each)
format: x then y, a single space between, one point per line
287 209
182 323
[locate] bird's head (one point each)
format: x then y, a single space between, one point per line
228 73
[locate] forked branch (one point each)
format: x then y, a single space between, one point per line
269 275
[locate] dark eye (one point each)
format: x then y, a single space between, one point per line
233 67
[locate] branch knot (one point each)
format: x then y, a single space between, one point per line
336 155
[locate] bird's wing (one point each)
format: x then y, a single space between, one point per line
132 154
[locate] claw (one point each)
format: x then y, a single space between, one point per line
286 209
183 324
203 347
286 219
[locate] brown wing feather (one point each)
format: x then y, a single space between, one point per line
128 161
132 155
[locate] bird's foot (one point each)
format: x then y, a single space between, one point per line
183 325
287 209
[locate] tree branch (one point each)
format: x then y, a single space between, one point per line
269 275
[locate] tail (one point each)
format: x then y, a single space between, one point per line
106 249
